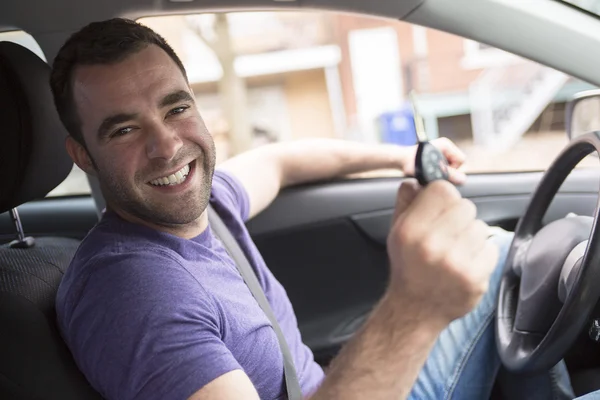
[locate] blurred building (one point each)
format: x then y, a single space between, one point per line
334 75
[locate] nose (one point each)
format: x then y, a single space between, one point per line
163 142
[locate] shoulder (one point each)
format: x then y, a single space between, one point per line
138 265
229 195
133 273
119 284
143 315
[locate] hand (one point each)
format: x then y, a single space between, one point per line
440 258
453 154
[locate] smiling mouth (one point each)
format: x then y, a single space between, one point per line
176 178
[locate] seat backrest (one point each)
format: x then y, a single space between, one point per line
35 363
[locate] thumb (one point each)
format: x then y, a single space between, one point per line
409 189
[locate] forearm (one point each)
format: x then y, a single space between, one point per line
384 358
265 170
322 159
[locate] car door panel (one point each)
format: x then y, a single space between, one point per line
62 216
501 211
342 276
326 242
329 200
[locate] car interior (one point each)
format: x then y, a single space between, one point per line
325 241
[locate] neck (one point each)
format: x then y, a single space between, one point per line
185 231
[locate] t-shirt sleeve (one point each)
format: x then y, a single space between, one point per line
151 335
228 192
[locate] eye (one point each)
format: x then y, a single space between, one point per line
121 131
178 110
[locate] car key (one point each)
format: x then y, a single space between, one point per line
430 163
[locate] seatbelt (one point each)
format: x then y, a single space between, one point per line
249 276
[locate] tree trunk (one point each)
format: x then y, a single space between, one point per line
232 90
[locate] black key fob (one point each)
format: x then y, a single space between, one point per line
430 164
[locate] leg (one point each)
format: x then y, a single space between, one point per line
464 362
590 396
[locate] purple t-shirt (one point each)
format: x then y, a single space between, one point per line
149 315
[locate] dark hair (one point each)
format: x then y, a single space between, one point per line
104 42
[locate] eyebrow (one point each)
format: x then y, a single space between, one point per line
175 97
168 100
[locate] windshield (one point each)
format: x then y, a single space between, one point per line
592 6
274 76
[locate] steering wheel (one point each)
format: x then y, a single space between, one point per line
551 280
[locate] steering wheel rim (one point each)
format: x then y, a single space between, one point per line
528 351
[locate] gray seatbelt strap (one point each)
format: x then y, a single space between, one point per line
96 194
249 276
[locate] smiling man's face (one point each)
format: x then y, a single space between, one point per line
149 147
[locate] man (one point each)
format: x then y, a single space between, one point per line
152 306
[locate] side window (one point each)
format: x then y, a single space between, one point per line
76 183
316 74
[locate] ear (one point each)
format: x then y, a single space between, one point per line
80 155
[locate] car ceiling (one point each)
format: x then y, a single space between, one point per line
546 31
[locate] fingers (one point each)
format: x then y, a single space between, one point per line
470 241
456 176
446 234
453 154
439 253
475 255
408 191
428 205
456 159
485 261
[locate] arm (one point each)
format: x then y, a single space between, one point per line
384 359
380 362
440 264
266 170
232 385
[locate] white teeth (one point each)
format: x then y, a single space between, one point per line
173 179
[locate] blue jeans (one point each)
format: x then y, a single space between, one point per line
464 363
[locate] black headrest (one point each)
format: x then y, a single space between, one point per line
33 159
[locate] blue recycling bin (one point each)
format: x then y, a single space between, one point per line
398 127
